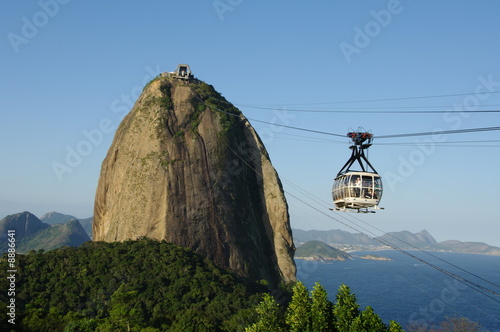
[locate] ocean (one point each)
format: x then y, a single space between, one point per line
408 290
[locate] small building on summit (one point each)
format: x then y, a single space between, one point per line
182 72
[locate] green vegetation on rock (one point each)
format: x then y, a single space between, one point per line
166 100
207 96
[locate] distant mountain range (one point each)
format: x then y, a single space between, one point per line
56 229
405 240
54 218
33 234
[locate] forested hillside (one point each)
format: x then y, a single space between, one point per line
126 286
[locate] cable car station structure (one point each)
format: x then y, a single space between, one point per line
357 190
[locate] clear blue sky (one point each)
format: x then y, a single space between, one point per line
74 67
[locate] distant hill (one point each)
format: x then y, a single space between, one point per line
87 225
33 234
54 218
24 223
69 234
333 236
469 247
407 239
404 239
320 251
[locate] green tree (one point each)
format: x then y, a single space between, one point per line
357 325
123 315
83 325
371 322
345 309
298 315
395 327
321 309
270 316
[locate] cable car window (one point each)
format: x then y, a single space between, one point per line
367 191
377 192
345 187
367 181
355 180
355 184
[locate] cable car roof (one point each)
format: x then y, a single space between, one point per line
358 173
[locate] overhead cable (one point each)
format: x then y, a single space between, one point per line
401 98
356 110
441 132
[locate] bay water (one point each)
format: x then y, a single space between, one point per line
416 289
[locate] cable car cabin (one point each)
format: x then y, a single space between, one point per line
357 190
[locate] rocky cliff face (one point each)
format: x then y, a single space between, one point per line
185 166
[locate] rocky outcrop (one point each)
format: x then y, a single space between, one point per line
187 167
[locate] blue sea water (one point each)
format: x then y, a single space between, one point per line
408 290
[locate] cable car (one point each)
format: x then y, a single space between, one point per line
359 190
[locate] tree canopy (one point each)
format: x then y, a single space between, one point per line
127 286
315 313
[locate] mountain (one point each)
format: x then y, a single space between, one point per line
69 234
87 225
317 250
336 236
24 224
407 239
32 234
469 247
404 239
187 167
54 218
